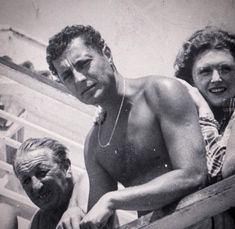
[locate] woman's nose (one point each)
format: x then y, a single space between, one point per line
215 76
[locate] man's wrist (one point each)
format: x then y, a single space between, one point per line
109 201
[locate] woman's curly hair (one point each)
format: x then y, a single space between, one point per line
59 42
208 38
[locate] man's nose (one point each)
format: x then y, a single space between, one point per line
36 183
78 76
215 76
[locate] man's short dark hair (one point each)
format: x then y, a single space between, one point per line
58 149
205 39
59 42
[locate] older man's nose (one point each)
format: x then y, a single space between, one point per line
36 183
78 76
215 76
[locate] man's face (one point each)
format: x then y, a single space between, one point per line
214 75
44 181
84 71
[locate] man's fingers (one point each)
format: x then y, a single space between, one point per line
75 223
67 224
59 226
88 226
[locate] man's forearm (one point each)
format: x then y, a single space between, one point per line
155 194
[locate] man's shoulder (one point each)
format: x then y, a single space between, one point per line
162 82
162 88
34 224
166 95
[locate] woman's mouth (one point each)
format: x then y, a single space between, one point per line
217 90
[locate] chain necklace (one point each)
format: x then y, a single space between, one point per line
116 121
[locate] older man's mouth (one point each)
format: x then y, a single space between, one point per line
45 195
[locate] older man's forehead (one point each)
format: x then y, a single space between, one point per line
27 167
35 157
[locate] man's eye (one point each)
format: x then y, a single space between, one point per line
26 180
65 76
80 65
41 174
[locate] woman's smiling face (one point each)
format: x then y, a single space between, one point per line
214 75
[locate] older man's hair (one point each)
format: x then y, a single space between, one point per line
58 149
205 39
59 42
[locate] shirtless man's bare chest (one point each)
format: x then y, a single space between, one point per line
137 152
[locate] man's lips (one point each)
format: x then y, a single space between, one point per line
216 90
88 88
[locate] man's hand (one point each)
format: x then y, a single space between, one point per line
98 216
71 218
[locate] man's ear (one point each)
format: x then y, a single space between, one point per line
107 53
67 167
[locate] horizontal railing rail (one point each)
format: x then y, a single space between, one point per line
192 209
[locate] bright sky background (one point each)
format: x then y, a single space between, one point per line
144 35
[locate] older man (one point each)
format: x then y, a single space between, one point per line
148 138
43 168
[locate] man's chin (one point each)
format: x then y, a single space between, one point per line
47 206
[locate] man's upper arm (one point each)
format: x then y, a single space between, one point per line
34 224
180 126
99 179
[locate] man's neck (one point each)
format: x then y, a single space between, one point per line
115 94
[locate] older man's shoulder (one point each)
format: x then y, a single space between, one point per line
35 222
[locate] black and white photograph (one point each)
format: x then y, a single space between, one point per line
117 114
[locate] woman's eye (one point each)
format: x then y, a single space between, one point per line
205 71
225 69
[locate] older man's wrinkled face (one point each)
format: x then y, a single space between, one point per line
214 75
44 180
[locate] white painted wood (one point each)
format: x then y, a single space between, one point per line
194 208
26 123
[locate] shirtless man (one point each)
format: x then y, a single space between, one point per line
149 139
